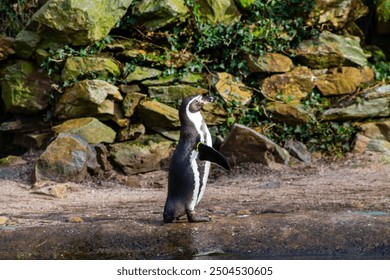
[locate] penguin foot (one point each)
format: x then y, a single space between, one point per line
193 219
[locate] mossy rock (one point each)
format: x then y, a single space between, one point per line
25 88
102 67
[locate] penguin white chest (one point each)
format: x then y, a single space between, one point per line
200 171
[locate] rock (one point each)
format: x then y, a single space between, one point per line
132 132
126 89
33 140
172 94
26 42
374 103
291 113
131 101
109 110
90 129
11 160
344 80
67 158
336 14
152 54
142 73
6 47
331 50
376 130
269 63
214 114
147 153
76 67
157 114
87 98
102 157
153 14
24 124
185 78
77 22
364 143
54 189
230 90
289 87
244 144
3 220
25 88
298 150
173 135
373 136
219 11
75 220
366 109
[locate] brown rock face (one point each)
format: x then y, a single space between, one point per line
244 144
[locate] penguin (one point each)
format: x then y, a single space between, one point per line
190 163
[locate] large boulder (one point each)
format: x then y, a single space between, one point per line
76 22
87 98
154 14
244 144
90 129
331 50
25 88
147 153
67 158
289 87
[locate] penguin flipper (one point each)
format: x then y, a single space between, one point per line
210 154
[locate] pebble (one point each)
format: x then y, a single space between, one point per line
3 220
75 219
245 212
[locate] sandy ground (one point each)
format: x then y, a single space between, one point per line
328 209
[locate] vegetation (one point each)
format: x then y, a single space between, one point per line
268 26
383 10
14 14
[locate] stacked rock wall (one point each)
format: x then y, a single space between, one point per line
73 71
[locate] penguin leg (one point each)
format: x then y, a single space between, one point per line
193 219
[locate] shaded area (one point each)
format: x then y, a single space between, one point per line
299 235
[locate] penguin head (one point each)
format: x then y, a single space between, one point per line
195 103
189 111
